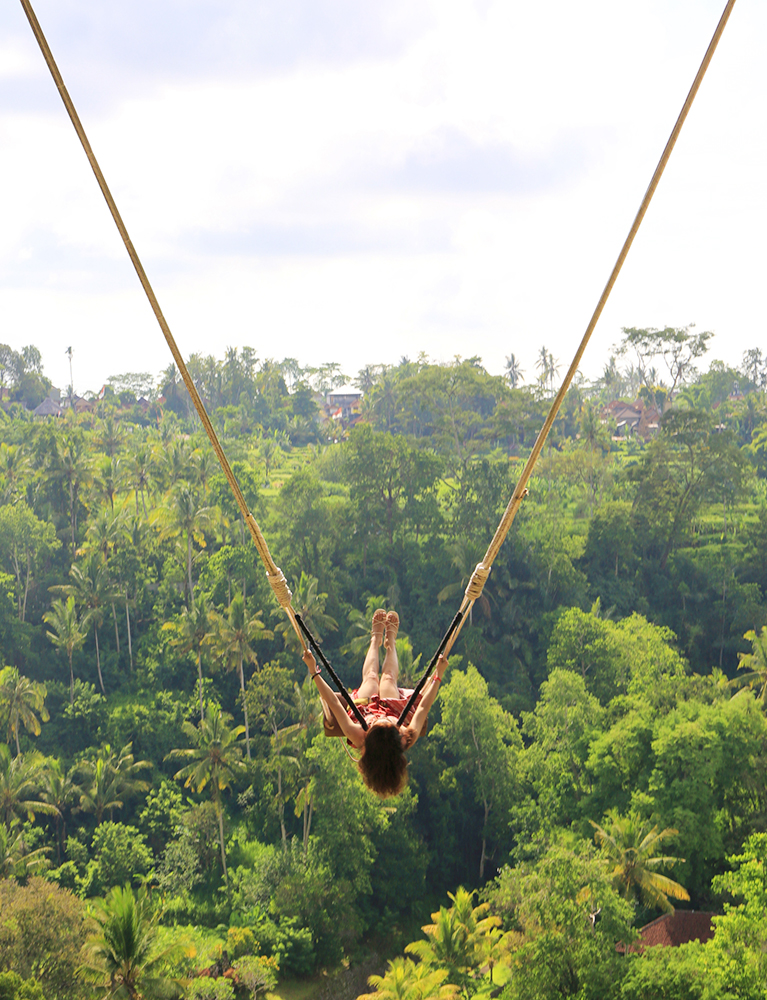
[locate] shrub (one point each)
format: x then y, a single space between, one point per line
41 933
13 987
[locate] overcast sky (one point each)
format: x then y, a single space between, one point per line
337 180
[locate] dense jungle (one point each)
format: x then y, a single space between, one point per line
173 821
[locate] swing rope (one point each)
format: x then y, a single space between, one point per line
482 570
274 574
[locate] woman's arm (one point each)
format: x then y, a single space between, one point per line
411 733
352 730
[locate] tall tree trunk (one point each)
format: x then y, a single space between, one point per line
220 812
17 570
308 812
130 644
281 809
26 589
71 683
189 568
199 683
483 856
59 837
245 708
98 659
117 634
72 517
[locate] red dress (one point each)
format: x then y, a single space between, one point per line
375 708
380 708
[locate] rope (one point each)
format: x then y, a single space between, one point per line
481 573
337 680
273 572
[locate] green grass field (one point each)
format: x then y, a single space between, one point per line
296 990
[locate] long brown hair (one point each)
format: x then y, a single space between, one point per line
383 764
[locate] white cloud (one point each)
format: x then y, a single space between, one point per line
458 179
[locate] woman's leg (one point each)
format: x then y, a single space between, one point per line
388 687
369 685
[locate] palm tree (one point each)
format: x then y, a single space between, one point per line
71 462
185 517
110 779
193 629
406 980
493 947
111 435
548 366
15 466
311 606
100 789
269 453
123 954
629 844
16 861
270 702
214 760
304 805
452 940
59 789
93 590
234 639
108 479
140 466
21 698
203 466
172 464
104 534
67 633
514 371
755 663
20 781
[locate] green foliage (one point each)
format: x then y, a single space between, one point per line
738 954
240 941
754 663
257 973
41 933
630 846
668 974
482 740
119 855
566 951
13 987
21 701
122 952
615 658
26 542
565 714
215 761
453 940
161 814
210 989
560 729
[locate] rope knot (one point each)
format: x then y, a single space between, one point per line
477 582
280 587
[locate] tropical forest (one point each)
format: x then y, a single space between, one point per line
173 820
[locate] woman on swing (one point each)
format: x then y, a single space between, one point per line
383 764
